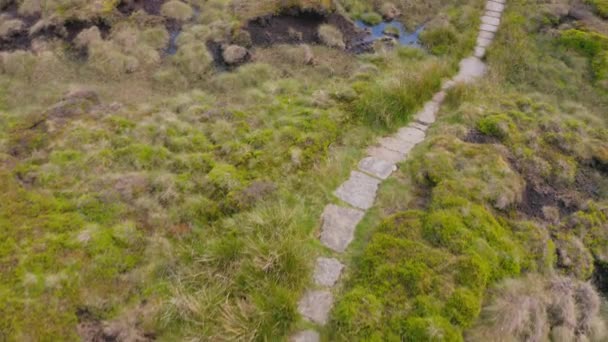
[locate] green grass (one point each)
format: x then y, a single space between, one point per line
449 227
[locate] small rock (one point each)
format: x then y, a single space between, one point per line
235 55
389 11
327 271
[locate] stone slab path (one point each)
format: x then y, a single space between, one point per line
358 193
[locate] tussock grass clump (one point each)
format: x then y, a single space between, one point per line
178 10
392 101
331 36
537 308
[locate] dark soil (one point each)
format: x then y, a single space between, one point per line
600 277
22 40
476 137
127 7
298 27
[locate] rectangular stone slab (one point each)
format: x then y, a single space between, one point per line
427 114
490 20
439 97
385 154
483 42
359 190
315 306
480 52
338 226
411 135
327 271
489 28
495 6
486 34
395 144
493 14
378 168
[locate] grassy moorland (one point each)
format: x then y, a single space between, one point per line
495 228
147 194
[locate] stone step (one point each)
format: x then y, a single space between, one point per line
338 226
419 126
428 114
495 6
479 52
493 14
486 34
315 306
396 145
385 154
327 271
411 135
439 97
488 28
500 1
490 20
359 190
378 168
471 68
483 42
306 336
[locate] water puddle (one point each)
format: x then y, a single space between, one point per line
392 29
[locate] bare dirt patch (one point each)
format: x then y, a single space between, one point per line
297 27
127 7
476 137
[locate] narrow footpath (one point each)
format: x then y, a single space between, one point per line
338 222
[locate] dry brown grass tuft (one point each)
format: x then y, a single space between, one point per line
538 309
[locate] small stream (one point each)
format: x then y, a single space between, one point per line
405 37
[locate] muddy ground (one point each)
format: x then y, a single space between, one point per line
297 27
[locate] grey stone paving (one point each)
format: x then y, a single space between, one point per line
376 167
338 227
495 6
395 144
339 223
306 336
315 306
471 68
411 135
493 14
486 35
418 126
488 28
327 271
427 115
483 42
490 20
359 190
385 154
